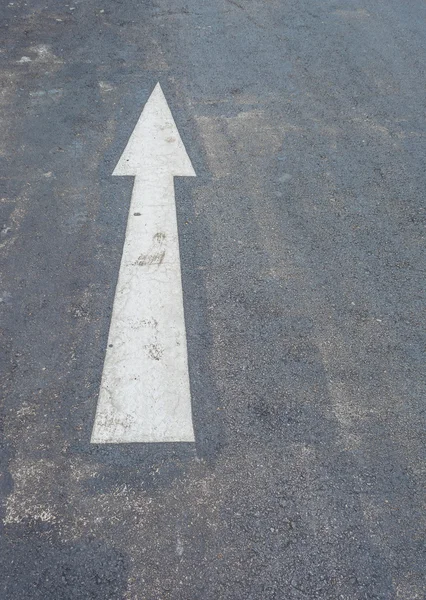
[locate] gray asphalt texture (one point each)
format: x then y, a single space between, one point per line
302 247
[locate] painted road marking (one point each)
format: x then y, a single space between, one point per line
145 393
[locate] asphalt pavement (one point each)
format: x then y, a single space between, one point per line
302 252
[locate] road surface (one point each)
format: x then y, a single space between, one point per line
301 248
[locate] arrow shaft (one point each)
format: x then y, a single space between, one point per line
145 394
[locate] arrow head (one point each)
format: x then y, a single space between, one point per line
155 146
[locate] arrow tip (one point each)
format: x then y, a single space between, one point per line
155 145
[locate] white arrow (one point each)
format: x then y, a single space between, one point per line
145 394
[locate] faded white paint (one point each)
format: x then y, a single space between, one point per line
145 393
